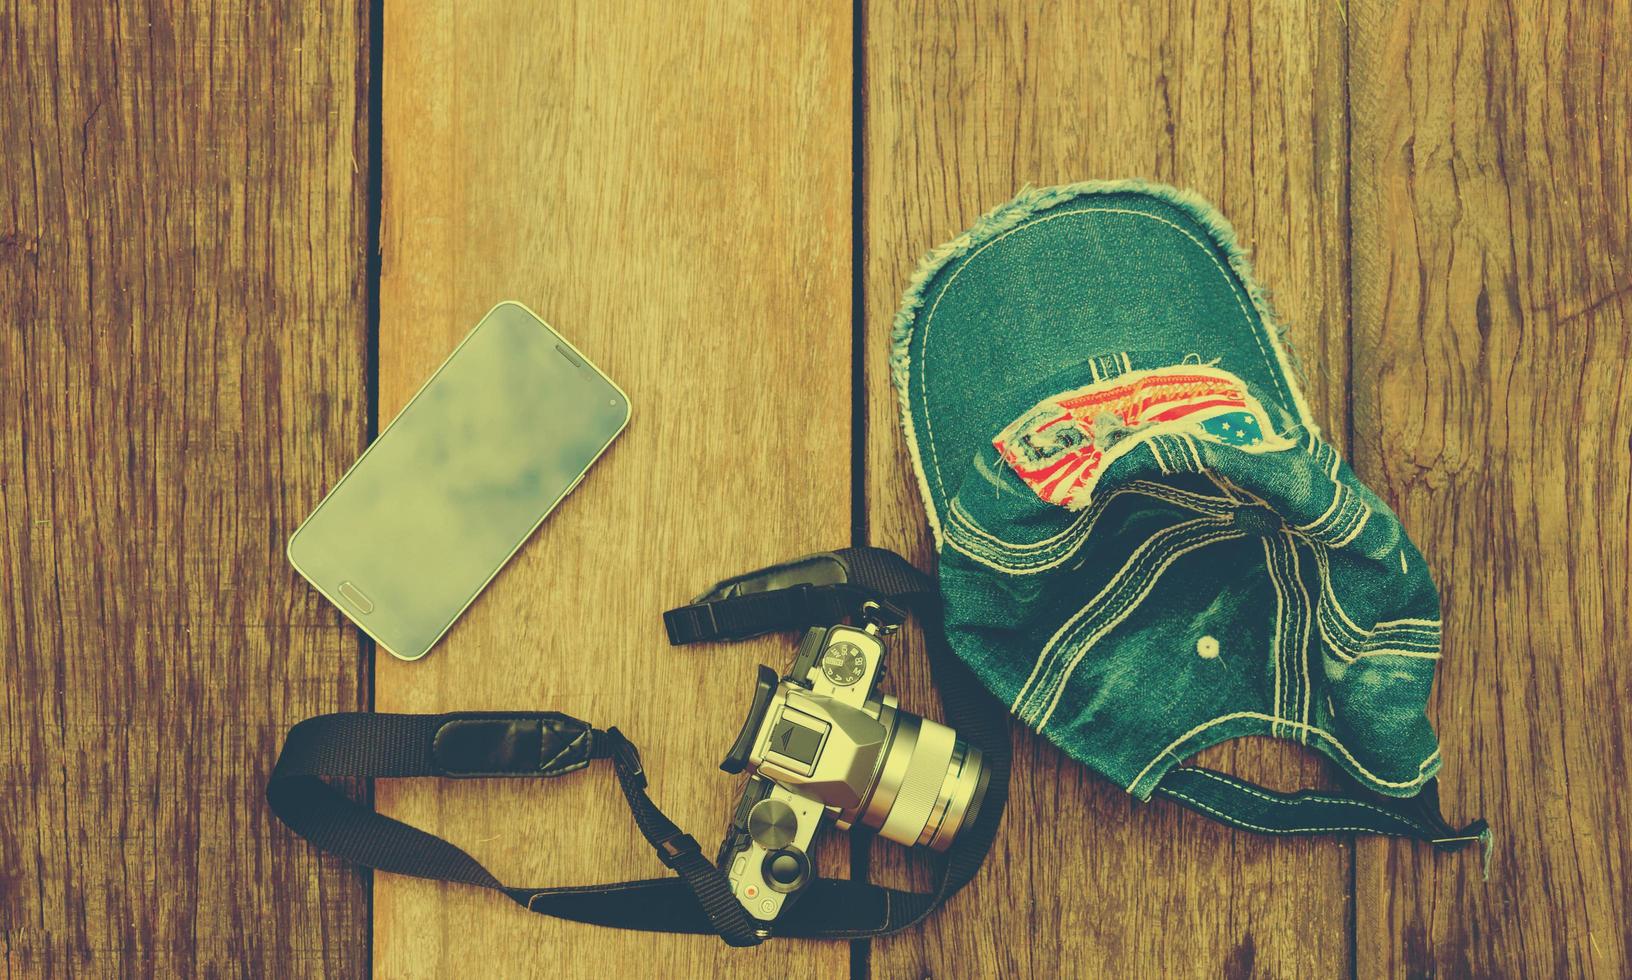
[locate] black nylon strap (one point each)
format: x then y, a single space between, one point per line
813 590
739 617
680 852
366 745
383 745
1251 807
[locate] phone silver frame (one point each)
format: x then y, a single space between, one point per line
335 600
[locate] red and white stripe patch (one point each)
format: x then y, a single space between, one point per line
1060 447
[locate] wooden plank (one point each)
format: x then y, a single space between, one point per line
669 186
1492 334
181 280
1244 103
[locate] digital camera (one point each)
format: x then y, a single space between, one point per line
822 741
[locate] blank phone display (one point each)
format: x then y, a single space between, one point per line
457 483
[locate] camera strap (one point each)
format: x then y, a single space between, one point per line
698 898
475 744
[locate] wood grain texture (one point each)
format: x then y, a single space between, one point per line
183 365
184 371
1492 180
668 185
1243 102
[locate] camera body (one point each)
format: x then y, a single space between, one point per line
823 742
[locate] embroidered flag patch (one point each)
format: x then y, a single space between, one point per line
1062 445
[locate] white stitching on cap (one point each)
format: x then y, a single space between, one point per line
1111 592
1254 791
1280 630
1328 736
1156 455
1359 525
1100 633
1353 510
1286 630
1415 654
1351 644
1247 825
993 556
1307 614
1418 623
1081 529
1118 583
1186 462
1338 519
1297 627
1348 649
1160 456
1188 441
1335 620
1338 512
1234 491
1174 495
1327 514
1127 610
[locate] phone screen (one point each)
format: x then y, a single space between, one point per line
459 480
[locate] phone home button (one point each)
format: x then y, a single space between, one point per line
355 596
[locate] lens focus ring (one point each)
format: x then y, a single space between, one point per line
921 786
928 785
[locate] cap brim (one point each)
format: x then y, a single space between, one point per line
1056 277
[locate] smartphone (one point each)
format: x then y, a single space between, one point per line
458 481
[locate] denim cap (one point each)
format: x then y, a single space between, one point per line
1145 546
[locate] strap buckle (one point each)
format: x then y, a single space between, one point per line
671 849
691 624
740 616
881 615
626 757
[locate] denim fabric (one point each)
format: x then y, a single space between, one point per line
1145 547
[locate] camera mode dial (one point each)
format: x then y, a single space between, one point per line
843 663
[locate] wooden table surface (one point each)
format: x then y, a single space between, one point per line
234 239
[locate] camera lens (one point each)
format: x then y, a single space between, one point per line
929 785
